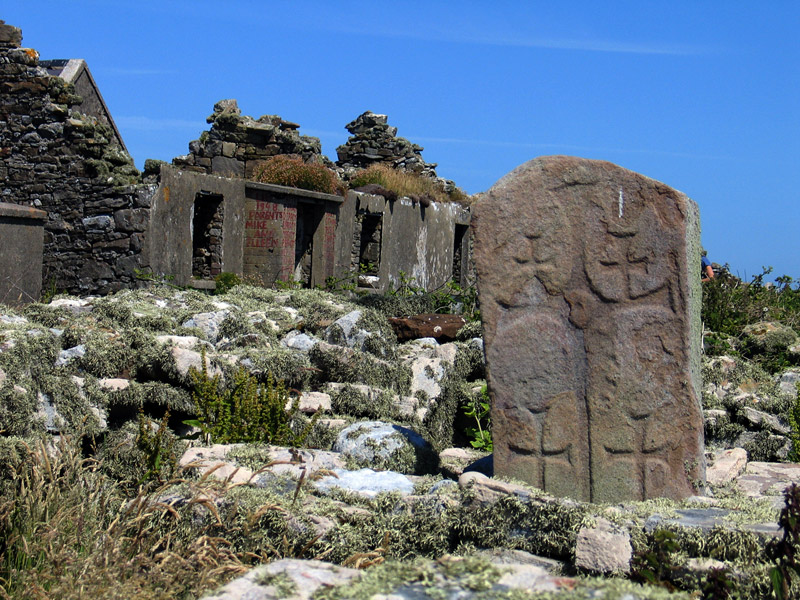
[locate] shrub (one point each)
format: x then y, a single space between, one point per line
406 183
225 281
293 172
245 412
730 304
783 551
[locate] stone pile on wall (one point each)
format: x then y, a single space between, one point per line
235 144
65 163
375 141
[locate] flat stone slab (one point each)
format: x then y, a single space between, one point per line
708 519
762 479
589 287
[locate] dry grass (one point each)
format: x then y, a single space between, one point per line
67 531
405 183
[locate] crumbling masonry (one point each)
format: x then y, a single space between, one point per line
104 223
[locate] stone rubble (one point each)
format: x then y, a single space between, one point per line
236 143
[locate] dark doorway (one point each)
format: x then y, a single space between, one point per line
459 253
309 218
369 250
207 235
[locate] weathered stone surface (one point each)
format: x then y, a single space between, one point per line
312 402
387 446
762 479
727 466
590 306
305 576
604 548
366 482
439 327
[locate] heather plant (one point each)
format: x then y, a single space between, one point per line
293 172
246 411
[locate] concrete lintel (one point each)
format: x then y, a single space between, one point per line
282 189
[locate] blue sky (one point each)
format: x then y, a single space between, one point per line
702 95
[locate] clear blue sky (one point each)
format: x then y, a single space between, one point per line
702 95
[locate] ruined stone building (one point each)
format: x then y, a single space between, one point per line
102 223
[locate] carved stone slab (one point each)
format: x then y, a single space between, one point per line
588 278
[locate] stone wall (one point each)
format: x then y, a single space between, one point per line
201 225
401 237
61 154
374 141
65 163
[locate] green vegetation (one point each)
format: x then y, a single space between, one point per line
479 410
293 172
785 575
730 305
247 411
106 511
225 281
654 565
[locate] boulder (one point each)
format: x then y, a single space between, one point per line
208 323
366 482
386 446
727 466
604 548
269 582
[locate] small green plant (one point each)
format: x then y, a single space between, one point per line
655 565
225 281
783 552
49 291
158 449
290 284
479 409
717 585
247 411
451 298
293 172
406 286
